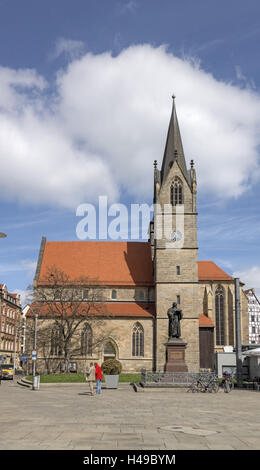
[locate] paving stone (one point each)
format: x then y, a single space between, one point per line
79 445
192 447
123 435
62 418
87 436
129 445
220 447
55 445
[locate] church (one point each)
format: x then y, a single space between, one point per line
137 282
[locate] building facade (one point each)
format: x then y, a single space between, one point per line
139 281
253 316
10 325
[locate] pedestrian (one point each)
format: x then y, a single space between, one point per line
90 378
98 377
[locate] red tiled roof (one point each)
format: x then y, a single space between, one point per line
105 263
112 263
249 290
209 271
205 321
113 309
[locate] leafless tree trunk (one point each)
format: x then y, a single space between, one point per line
63 312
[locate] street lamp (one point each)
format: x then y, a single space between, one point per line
238 335
35 383
18 329
2 235
34 355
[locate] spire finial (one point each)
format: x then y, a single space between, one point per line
155 164
173 97
192 163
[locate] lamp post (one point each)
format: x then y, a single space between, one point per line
238 335
18 329
15 341
34 354
2 235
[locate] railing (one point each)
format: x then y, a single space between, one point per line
148 377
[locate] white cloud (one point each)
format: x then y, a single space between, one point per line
69 47
126 6
251 278
24 296
28 266
108 122
18 88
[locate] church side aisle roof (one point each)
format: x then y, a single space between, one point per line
108 309
209 271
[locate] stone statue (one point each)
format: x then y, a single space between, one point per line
175 315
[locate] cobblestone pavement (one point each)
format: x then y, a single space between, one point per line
67 417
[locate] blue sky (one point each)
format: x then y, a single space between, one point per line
85 103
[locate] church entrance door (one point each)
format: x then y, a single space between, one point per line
206 347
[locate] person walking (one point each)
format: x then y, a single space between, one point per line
98 373
90 378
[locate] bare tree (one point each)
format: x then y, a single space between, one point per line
72 318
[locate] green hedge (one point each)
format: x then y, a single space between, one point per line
111 367
80 378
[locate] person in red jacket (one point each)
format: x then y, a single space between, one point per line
98 377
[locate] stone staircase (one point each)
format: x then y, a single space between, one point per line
24 383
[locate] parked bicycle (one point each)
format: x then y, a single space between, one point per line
204 383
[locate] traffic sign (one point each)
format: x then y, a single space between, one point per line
34 355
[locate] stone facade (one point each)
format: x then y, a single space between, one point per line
102 293
10 325
116 332
207 292
176 265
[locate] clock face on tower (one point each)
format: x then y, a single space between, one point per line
176 236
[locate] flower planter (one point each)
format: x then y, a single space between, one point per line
111 381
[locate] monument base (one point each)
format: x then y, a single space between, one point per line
175 356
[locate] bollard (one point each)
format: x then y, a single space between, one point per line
36 382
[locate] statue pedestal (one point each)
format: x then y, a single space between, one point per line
175 355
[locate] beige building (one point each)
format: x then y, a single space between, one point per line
10 325
135 283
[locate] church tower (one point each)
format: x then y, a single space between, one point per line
174 247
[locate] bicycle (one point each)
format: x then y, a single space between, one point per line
204 383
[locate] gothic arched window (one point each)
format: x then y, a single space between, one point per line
138 340
176 192
114 294
86 341
109 349
219 314
56 342
141 295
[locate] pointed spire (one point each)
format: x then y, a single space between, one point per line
173 148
